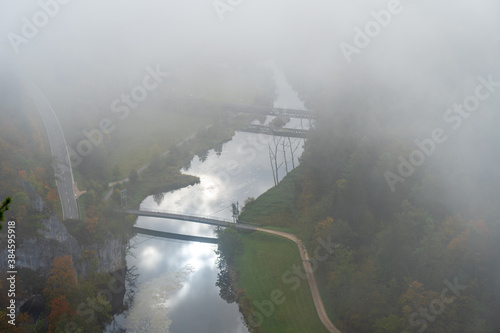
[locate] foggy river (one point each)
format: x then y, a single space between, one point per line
183 274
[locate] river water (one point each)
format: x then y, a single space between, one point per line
177 291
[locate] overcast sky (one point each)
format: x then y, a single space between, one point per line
128 33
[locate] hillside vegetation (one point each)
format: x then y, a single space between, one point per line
418 255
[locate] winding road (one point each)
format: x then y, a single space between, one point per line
63 171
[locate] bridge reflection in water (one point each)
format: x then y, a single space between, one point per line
183 217
170 235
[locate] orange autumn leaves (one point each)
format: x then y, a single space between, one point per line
62 277
61 282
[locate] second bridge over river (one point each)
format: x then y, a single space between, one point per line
188 218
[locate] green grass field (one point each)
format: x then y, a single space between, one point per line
275 207
260 268
137 136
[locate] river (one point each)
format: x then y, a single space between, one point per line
177 291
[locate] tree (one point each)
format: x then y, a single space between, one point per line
156 161
248 203
3 208
416 297
116 173
293 149
229 244
235 211
20 210
59 308
323 228
342 266
273 156
133 176
62 278
389 324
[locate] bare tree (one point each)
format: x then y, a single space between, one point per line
293 149
272 165
284 156
276 141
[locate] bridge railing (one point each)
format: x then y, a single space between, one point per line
160 211
271 110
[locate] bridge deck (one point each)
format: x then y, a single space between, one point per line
188 218
271 111
175 216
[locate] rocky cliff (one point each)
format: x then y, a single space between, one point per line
54 240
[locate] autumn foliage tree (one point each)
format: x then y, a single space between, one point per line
59 309
62 279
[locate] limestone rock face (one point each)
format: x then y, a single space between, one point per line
54 240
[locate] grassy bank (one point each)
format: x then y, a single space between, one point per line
260 268
136 137
275 207
164 173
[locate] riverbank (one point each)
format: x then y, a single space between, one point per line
270 264
269 296
276 208
163 174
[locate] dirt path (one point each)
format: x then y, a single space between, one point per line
318 302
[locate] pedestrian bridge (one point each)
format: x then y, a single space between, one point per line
271 111
181 217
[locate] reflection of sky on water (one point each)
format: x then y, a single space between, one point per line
155 256
197 303
154 299
241 170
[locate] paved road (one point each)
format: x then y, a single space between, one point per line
64 174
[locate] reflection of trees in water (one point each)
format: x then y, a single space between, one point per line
158 197
126 281
114 327
131 288
131 284
202 155
226 247
224 282
187 166
218 149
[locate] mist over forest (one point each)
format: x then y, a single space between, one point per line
399 169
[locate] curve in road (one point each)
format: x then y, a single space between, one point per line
63 171
306 262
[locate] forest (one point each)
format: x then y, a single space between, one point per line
416 256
